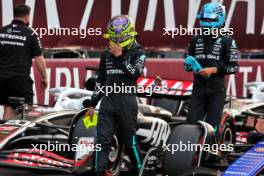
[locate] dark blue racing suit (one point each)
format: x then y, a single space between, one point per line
118 110
209 94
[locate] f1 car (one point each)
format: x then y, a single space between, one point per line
61 139
65 125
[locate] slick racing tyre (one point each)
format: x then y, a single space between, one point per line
181 159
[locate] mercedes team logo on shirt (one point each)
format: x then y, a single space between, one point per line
9 30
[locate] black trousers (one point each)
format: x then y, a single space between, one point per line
207 103
16 87
117 111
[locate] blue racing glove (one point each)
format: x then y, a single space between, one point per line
191 64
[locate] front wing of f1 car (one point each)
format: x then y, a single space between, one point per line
250 163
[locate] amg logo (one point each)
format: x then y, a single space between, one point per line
115 71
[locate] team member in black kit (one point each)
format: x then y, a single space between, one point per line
18 45
120 65
218 57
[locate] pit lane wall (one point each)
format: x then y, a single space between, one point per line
72 73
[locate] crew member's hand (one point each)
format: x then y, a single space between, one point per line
90 111
44 83
116 50
207 72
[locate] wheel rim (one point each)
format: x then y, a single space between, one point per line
114 157
228 136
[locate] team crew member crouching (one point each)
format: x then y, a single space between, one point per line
218 56
121 65
18 45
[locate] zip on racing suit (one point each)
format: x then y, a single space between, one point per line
118 110
208 95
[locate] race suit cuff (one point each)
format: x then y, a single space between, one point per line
219 70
